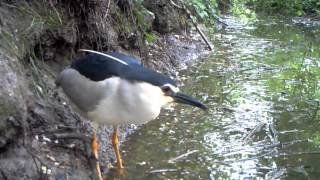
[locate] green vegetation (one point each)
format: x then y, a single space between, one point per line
204 10
142 19
292 8
295 7
240 8
207 10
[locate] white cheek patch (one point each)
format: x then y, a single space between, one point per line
172 87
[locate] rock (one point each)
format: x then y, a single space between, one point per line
17 161
12 102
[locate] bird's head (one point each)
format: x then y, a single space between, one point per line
172 94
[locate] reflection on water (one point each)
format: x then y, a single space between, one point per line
261 84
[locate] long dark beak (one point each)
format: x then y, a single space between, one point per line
185 99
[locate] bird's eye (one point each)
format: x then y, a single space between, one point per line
165 89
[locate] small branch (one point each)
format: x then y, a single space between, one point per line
173 160
299 153
163 170
256 129
176 5
203 36
107 10
274 133
195 24
66 127
72 136
219 21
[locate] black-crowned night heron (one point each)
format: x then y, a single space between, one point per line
114 89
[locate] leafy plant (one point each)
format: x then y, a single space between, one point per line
150 37
240 8
205 10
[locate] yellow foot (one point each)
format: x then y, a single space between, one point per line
95 152
115 142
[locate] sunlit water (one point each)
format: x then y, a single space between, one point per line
261 84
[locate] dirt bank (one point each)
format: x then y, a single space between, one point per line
42 136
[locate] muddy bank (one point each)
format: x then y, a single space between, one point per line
42 136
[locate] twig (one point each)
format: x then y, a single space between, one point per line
8 5
195 24
299 153
274 133
173 160
62 127
203 36
256 129
107 10
176 5
163 170
57 13
71 136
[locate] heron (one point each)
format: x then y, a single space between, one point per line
116 89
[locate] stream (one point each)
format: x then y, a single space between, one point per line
261 84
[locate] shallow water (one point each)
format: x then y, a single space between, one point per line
261 84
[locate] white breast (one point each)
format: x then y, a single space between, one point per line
128 103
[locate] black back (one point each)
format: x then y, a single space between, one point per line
98 68
128 59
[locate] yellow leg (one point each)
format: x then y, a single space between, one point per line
115 142
95 151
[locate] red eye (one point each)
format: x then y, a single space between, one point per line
165 88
